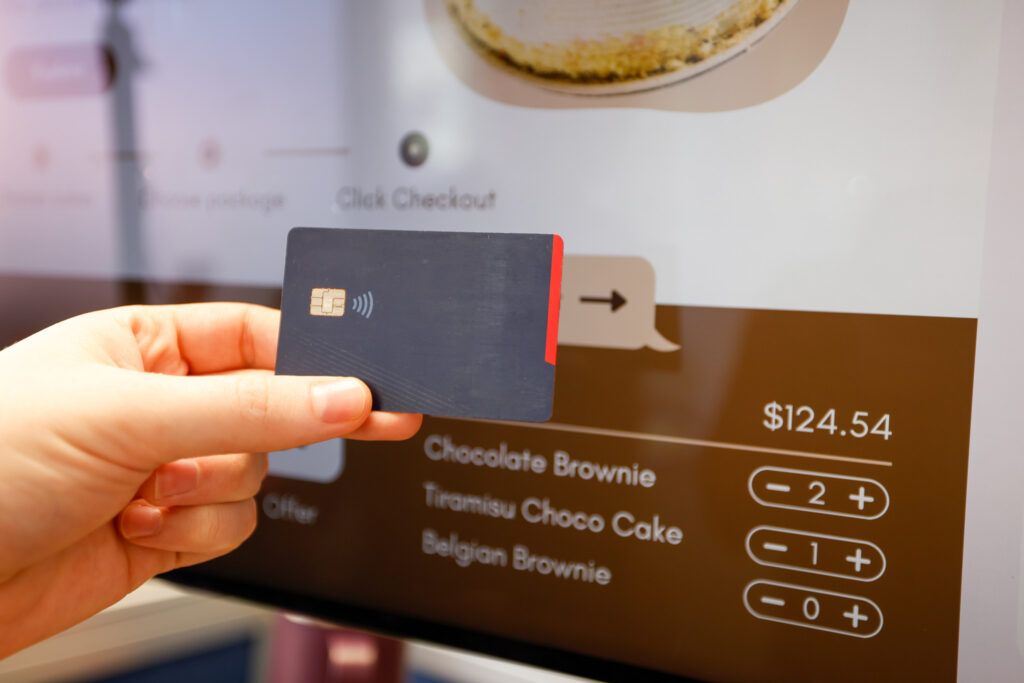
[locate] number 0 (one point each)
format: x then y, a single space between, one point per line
811 608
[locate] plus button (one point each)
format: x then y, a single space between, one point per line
861 497
858 559
855 616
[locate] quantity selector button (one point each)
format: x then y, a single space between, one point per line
820 492
801 551
847 615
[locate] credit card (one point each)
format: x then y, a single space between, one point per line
452 324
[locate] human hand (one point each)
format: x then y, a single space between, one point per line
116 466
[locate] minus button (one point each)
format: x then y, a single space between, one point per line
781 488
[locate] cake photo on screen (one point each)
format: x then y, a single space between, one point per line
613 46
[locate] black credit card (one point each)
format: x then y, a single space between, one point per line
454 324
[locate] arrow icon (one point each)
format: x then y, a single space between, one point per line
616 300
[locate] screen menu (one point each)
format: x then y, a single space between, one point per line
772 293
789 483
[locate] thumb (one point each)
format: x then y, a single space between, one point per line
249 411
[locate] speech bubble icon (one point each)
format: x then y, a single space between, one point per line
608 302
318 462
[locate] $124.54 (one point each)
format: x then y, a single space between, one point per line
803 419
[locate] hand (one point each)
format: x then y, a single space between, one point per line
132 442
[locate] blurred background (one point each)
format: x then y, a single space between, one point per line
164 634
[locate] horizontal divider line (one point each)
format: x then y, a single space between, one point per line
682 440
306 151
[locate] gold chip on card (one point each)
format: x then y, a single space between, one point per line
327 301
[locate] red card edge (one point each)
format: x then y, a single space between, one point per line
554 299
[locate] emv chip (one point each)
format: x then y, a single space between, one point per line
327 301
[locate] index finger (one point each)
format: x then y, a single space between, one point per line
212 337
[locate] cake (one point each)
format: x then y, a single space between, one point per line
613 41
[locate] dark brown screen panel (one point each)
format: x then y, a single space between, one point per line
760 505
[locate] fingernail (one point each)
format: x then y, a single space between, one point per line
176 478
141 520
339 401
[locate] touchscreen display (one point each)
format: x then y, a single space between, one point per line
785 229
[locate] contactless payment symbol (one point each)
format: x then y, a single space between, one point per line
326 301
363 304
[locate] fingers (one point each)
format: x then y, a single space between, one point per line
253 411
245 408
200 529
210 479
211 337
197 508
384 426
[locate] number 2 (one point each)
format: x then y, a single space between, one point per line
804 426
816 498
